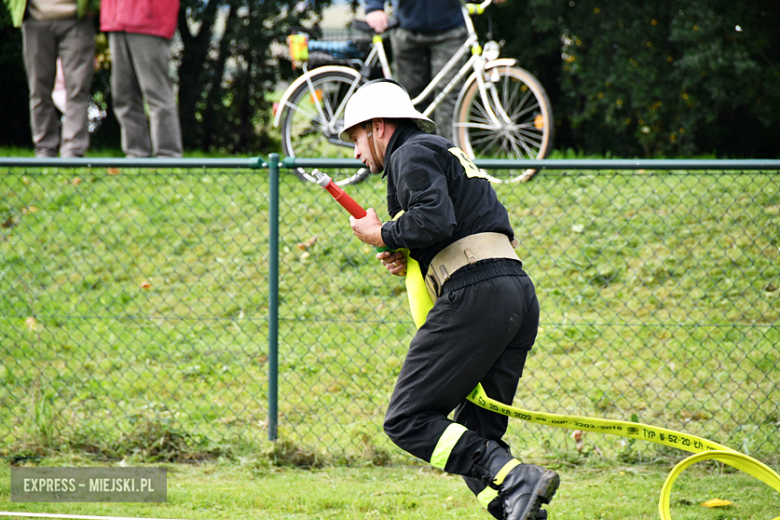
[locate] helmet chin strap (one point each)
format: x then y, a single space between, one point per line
379 161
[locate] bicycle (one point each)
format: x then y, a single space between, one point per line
502 110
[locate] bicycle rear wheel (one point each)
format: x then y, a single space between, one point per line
313 121
527 136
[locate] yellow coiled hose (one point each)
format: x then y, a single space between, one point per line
420 304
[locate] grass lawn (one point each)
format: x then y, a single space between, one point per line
249 488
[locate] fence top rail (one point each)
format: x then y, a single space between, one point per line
573 164
121 162
490 164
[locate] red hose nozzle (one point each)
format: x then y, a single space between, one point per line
340 195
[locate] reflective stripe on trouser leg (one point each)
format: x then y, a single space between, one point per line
487 496
447 441
501 475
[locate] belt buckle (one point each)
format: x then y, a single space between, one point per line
432 284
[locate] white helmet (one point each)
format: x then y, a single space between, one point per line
382 98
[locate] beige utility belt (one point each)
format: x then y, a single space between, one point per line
468 250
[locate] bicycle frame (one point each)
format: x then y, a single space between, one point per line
313 105
477 63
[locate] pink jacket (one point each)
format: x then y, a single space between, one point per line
154 17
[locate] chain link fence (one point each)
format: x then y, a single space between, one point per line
134 311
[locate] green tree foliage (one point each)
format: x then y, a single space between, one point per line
672 77
227 68
107 134
667 77
15 129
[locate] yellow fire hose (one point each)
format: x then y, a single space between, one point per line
420 303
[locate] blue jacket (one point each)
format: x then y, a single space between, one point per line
424 16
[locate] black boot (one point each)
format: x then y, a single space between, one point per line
496 508
522 488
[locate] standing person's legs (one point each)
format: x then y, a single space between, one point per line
444 47
127 99
418 58
40 61
412 61
77 50
151 57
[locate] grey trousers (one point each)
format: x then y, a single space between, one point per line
418 58
139 72
74 42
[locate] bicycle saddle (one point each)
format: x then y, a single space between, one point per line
362 25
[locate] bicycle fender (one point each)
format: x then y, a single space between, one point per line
500 62
302 79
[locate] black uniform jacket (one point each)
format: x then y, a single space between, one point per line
441 193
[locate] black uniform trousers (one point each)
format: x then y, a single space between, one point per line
477 333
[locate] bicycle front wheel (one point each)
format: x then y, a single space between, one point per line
314 119
523 128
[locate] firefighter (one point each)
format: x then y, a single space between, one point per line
485 314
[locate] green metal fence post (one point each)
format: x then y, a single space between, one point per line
273 294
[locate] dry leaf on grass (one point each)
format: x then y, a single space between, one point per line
303 246
32 324
577 436
716 502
